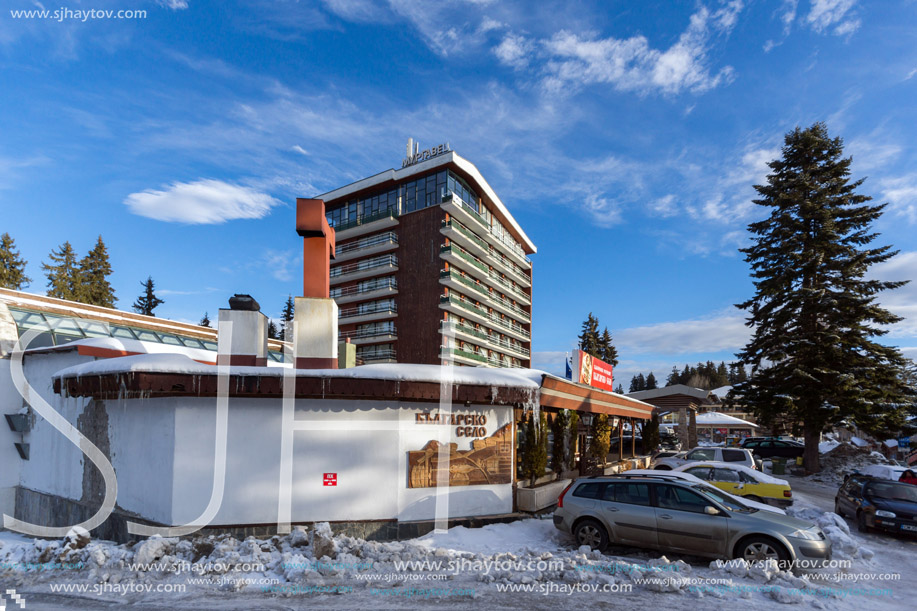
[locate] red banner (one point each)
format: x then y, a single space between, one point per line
591 371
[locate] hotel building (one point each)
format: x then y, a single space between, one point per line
426 251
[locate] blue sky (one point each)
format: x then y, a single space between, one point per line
624 137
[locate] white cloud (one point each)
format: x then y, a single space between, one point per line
204 201
631 64
281 263
664 206
298 149
901 193
513 51
873 151
355 10
833 14
901 301
723 331
175 5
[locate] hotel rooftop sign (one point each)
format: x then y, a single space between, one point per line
415 155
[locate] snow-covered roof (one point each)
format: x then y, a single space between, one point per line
891 443
118 346
721 392
675 389
720 419
860 443
182 364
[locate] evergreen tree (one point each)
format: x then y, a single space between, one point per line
534 448
601 438
608 352
560 446
272 332
94 271
63 273
722 375
673 378
813 312
12 265
148 301
637 383
589 340
286 320
619 389
205 321
650 382
649 431
685 375
572 438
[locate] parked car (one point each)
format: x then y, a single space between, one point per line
730 455
774 448
696 480
666 454
891 472
742 481
664 512
878 503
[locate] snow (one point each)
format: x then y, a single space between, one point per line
862 443
721 392
764 478
891 443
135 345
826 446
719 419
182 364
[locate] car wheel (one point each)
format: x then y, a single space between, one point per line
591 533
837 508
753 497
663 468
862 526
758 549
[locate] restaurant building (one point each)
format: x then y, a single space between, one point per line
426 251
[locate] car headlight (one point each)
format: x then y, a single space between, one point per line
808 534
881 513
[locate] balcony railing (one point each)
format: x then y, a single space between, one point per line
467 281
461 253
389 282
494 340
368 308
365 264
364 333
389 237
366 219
506 241
453 224
464 353
509 286
506 324
377 355
448 195
458 327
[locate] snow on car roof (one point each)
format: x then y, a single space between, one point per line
764 478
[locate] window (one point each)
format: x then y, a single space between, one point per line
681 499
702 454
701 472
726 475
751 444
745 478
734 456
591 490
630 493
122 332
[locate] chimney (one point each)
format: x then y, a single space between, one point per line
249 331
315 323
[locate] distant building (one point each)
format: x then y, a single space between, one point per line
427 250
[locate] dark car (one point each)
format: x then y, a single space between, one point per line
774 448
878 503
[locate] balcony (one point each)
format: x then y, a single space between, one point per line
371 289
463 356
459 330
369 336
454 280
484 337
377 356
367 312
455 206
509 268
371 245
504 285
460 234
467 309
455 254
366 224
364 268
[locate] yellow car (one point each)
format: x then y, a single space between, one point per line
742 481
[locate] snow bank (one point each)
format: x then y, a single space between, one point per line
182 364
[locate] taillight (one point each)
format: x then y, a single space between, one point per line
788 493
560 499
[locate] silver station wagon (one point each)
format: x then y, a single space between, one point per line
670 514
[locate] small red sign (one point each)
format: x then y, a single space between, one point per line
592 371
330 479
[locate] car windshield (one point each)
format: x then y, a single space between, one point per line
892 491
728 502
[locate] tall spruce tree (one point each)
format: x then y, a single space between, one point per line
650 382
272 332
12 265
148 301
813 312
619 389
673 378
286 320
607 350
589 339
63 273
205 321
95 269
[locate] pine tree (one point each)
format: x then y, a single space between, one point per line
650 382
148 301
637 383
62 273
534 448
560 448
813 312
286 320
94 271
722 375
608 352
619 389
12 265
272 332
205 321
673 378
572 438
601 438
589 340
